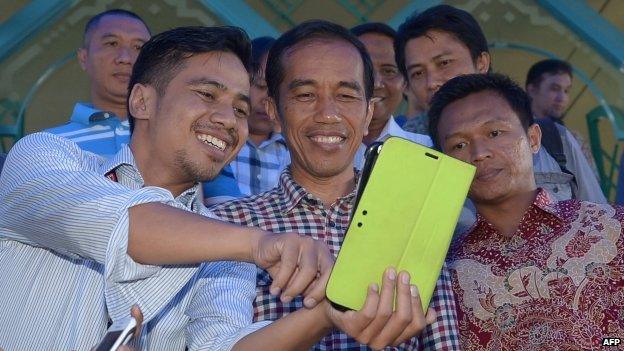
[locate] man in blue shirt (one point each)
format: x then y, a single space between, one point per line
112 41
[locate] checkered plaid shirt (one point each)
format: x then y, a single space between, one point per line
257 168
288 207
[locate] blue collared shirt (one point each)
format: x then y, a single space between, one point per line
105 134
64 267
257 168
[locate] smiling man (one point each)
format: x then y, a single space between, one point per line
378 38
321 83
532 273
84 237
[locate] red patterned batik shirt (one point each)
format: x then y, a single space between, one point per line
557 284
290 208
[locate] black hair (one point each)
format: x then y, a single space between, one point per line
95 20
550 66
163 55
307 31
464 85
259 47
374 27
445 18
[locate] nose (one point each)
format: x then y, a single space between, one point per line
378 81
328 111
479 151
223 115
125 55
434 81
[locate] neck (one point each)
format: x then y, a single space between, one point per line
152 171
374 130
257 139
329 189
507 214
119 108
537 114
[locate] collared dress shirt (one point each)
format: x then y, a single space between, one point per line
64 268
392 129
289 207
103 133
257 168
557 283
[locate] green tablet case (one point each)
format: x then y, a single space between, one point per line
405 218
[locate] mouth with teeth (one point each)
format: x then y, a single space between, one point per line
212 141
327 139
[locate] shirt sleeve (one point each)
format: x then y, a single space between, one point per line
586 181
221 311
52 196
443 334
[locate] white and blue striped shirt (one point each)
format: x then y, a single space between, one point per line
64 270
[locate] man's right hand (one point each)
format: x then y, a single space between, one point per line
383 320
297 264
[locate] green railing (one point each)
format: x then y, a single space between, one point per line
15 130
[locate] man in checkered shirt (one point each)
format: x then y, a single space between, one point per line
320 82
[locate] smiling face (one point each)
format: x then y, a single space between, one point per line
389 82
111 49
322 106
483 130
198 124
551 97
436 57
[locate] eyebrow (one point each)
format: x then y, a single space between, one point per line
436 57
484 124
296 83
115 36
218 85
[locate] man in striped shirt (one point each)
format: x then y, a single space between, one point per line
112 41
320 80
83 237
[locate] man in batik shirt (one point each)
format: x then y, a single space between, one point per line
531 274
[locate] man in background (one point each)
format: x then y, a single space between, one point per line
112 42
378 38
264 156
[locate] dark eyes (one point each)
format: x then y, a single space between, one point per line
495 133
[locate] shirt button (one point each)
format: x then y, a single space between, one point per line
259 176
332 224
556 190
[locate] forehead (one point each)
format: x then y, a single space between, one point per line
223 67
377 44
474 111
323 60
562 79
434 43
120 25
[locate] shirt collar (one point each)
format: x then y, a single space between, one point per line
124 160
391 129
543 202
275 138
87 114
291 193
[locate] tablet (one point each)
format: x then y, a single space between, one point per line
408 203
